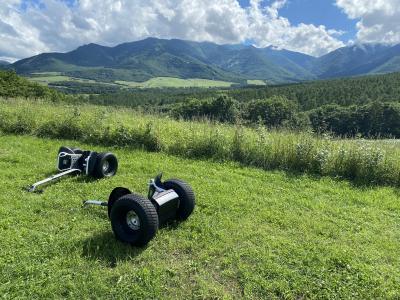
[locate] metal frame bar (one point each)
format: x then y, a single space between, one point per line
95 202
34 186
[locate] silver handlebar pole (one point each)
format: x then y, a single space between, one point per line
34 186
95 202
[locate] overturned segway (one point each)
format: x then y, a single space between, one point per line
76 161
135 219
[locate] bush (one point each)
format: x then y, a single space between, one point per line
142 138
374 119
12 86
222 109
273 112
18 122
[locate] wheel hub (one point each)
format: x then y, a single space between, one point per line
133 221
106 166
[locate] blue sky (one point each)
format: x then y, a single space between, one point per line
320 12
317 12
314 27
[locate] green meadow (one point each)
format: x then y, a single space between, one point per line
165 82
253 235
279 214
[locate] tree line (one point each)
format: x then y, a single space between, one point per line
375 119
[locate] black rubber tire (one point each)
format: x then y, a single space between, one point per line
186 197
148 218
103 158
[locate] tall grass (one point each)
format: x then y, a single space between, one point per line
363 162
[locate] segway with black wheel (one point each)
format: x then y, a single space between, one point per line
135 219
76 161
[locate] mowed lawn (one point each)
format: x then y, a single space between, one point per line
254 234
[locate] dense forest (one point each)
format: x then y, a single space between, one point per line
76 88
308 95
366 106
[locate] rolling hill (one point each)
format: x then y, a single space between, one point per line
152 57
149 58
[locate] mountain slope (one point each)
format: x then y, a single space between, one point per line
152 57
392 65
357 60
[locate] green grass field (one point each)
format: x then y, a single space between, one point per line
253 235
256 82
160 82
52 77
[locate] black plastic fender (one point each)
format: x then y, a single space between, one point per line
116 193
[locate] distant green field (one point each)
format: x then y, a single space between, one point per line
256 82
51 77
158 82
175 82
253 234
46 73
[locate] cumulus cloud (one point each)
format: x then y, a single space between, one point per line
53 25
378 19
266 28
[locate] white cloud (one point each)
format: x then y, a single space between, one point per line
379 20
266 27
55 26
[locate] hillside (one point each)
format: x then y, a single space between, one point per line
4 63
142 60
357 60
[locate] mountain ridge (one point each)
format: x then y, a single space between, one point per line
153 57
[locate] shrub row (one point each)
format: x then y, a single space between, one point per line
360 161
375 119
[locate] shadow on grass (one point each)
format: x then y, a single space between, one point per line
104 247
85 179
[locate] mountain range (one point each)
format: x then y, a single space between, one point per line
152 57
